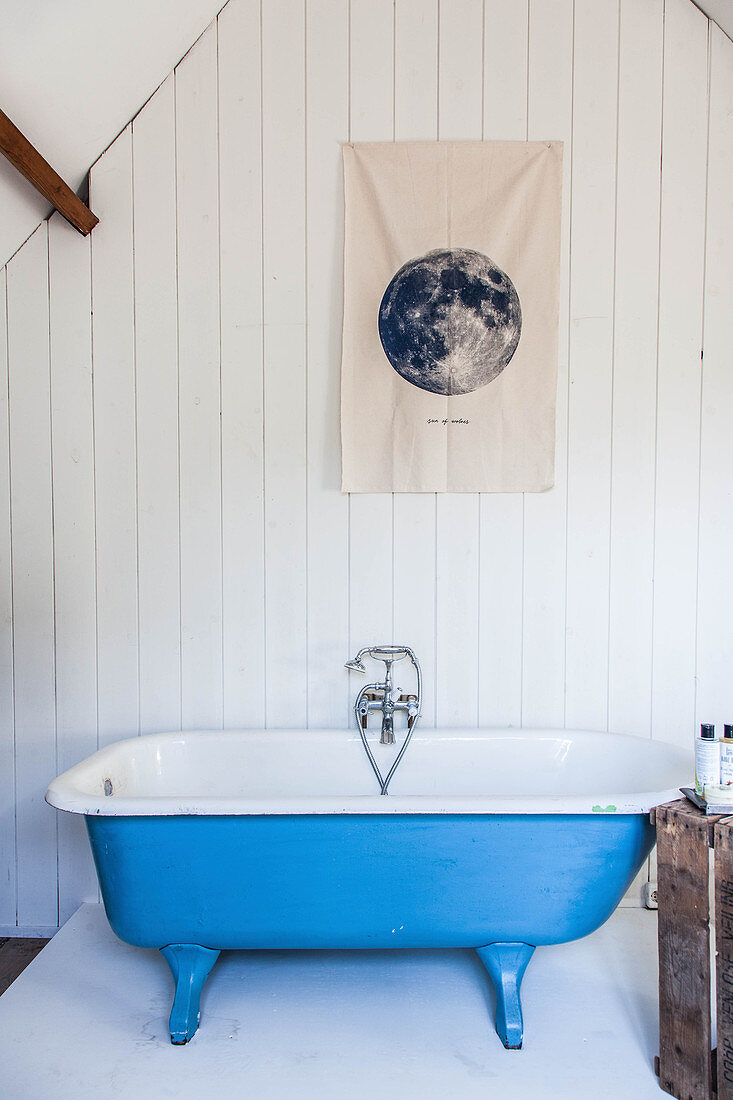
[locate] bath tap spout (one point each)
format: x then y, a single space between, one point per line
387 736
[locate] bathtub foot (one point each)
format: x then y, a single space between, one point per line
506 964
191 966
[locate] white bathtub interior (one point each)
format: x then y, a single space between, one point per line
287 771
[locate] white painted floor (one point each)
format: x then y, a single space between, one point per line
88 1019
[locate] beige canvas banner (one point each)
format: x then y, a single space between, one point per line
449 366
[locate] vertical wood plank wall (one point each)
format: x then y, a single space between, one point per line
174 547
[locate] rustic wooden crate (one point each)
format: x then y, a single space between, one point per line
687 1067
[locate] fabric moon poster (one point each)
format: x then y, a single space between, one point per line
451 277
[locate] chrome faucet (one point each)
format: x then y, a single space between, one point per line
386 698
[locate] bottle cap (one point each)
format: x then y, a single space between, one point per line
707 731
728 731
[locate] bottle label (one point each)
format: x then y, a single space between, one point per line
707 763
726 763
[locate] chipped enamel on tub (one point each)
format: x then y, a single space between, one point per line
496 840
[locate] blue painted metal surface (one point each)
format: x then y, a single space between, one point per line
190 966
364 881
506 964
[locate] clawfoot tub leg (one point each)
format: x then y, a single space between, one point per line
506 964
191 966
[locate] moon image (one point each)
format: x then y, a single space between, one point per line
450 321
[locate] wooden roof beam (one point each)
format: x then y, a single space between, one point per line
29 162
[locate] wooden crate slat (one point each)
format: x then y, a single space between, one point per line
724 955
685 1059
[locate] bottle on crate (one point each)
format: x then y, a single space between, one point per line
726 756
707 758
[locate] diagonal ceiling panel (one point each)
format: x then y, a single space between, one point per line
72 75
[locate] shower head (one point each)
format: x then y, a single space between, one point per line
355 665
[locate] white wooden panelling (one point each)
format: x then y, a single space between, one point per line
501 538
33 598
415 565
214 404
327 42
501 555
634 378
460 71
715 618
72 429
506 56
416 70
156 361
550 106
240 201
635 366
371 70
460 102
371 518
682 250
457 637
199 389
591 361
284 280
7 732
114 442
416 119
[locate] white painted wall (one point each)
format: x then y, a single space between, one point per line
174 548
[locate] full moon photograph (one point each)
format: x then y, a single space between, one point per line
450 321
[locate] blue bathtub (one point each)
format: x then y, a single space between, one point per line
206 842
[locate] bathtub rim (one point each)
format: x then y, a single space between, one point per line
64 794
